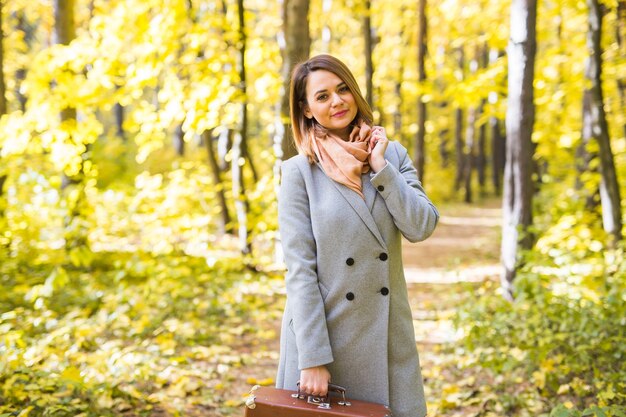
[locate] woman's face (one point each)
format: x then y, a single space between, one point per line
330 102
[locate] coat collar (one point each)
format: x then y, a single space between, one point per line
360 206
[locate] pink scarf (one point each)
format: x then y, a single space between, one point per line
343 161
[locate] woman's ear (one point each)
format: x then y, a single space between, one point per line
307 111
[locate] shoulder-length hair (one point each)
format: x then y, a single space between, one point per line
301 126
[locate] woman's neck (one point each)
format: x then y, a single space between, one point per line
343 134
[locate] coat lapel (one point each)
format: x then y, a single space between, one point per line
359 205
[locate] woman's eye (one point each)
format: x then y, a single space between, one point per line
322 97
344 89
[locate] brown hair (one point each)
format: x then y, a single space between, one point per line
301 125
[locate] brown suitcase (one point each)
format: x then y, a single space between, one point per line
273 402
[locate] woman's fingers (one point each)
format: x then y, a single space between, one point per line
379 132
315 380
378 146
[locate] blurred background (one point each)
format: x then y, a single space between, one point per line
140 151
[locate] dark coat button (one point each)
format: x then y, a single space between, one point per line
384 290
350 261
350 296
381 188
383 256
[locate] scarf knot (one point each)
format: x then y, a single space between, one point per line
344 161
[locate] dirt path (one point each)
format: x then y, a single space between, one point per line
466 236
441 272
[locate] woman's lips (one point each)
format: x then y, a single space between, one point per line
340 113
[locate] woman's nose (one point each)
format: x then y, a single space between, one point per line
336 99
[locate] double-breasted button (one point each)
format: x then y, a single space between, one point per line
384 291
350 296
381 188
350 261
383 256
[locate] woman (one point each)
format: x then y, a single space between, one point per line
344 203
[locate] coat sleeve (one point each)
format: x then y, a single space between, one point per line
304 299
412 211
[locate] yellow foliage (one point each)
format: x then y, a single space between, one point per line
73 375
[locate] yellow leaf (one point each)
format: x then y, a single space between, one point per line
72 374
540 379
266 382
547 365
450 389
25 412
563 389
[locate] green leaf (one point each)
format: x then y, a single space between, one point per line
560 411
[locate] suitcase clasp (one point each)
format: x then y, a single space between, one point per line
250 400
321 402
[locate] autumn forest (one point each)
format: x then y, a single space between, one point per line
141 141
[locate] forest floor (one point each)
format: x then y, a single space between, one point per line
442 272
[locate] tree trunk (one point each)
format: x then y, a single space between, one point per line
3 100
3 179
118 109
470 142
470 156
620 35
444 153
295 44
244 88
481 157
179 140
239 195
584 156
64 27
520 116
207 138
585 153
498 154
20 76
596 125
397 114
420 137
20 73
3 103
369 65
498 142
458 131
240 144
459 149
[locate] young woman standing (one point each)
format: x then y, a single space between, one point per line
345 202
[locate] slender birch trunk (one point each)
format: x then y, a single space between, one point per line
596 126
520 117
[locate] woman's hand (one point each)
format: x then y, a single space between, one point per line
378 146
315 381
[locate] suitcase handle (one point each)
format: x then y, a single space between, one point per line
324 401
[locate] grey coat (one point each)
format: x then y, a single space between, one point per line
347 304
